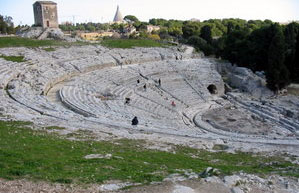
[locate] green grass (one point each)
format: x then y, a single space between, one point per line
49 49
111 43
37 155
14 58
54 128
131 43
25 42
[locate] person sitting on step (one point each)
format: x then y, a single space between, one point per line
135 121
127 100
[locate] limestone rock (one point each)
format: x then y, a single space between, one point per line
182 189
209 172
98 156
231 180
114 186
41 33
236 190
245 80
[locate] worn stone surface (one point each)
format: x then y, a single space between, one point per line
248 184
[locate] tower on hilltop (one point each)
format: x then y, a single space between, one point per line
45 14
118 18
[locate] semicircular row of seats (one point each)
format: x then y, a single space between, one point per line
120 93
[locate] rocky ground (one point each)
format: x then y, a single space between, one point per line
240 183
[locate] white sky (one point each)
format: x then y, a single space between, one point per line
104 10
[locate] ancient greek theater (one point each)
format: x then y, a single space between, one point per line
178 97
149 97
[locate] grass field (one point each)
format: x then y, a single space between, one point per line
38 155
13 58
111 43
131 43
25 42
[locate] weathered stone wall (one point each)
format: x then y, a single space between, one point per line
38 14
50 15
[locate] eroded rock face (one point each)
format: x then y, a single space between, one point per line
41 34
245 80
28 32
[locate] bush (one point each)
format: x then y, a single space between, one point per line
154 37
201 44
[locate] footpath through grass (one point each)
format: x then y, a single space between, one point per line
37 155
131 43
26 42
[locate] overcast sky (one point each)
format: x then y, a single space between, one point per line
104 10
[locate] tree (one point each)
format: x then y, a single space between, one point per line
290 33
160 22
91 28
234 24
295 68
63 27
235 47
277 73
206 33
142 26
80 27
259 42
175 31
6 25
190 29
201 44
163 33
131 18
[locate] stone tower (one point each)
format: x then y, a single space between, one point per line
45 14
118 18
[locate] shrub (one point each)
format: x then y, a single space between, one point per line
154 37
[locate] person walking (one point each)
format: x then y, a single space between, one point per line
173 104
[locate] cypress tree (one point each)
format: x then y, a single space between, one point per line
296 62
290 32
206 33
277 73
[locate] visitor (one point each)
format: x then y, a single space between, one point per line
138 81
173 104
127 101
159 82
144 87
135 121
